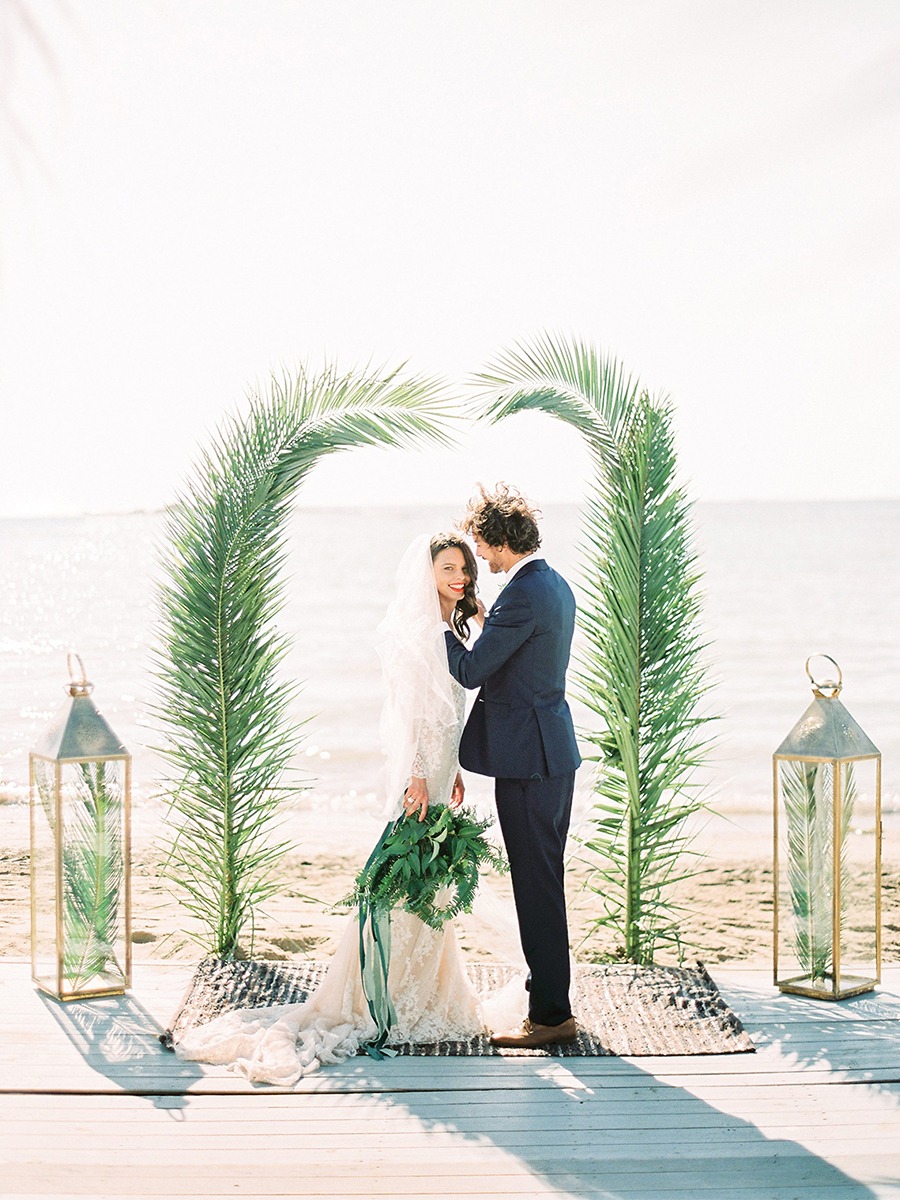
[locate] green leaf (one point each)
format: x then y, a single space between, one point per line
641 672
410 868
220 699
93 868
807 793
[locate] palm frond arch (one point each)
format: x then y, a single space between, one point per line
220 701
641 670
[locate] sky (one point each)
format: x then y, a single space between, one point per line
197 193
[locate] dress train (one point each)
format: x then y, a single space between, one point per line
433 999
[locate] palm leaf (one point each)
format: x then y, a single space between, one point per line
570 380
93 868
221 699
641 671
807 791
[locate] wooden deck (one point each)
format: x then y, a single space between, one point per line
91 1105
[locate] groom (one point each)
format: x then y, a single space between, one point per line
520 732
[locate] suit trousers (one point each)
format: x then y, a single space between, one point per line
534 819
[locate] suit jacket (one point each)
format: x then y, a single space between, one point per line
520 726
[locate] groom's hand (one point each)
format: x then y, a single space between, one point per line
416 798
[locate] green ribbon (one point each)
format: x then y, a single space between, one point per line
374 963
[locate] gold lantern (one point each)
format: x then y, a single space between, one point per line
80 853
827 784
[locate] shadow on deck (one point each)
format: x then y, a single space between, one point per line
814 1113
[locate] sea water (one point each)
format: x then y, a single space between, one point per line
780 582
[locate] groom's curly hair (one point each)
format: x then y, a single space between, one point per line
503 517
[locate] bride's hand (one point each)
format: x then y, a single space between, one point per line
459 792
416 798
479 616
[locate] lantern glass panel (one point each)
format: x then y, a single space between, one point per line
860 873
44 877
827 874
82 806
805 872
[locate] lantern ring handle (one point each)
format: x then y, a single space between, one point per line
821 685
80 686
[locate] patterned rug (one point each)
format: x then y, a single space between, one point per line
621 1009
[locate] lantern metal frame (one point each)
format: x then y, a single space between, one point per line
844 986
41 977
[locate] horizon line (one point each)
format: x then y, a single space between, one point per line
344 507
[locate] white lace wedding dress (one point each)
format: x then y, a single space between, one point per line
431 992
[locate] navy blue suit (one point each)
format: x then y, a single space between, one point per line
520 732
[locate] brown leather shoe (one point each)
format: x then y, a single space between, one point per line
529 1036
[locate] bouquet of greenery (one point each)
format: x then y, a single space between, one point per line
416 860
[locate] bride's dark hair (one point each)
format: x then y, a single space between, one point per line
467 605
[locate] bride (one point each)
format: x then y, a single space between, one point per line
428 994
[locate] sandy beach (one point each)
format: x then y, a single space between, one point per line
760 633
727 904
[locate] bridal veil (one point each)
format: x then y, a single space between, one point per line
419 689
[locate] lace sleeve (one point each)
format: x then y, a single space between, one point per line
429 749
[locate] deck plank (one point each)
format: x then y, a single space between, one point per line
92 1106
